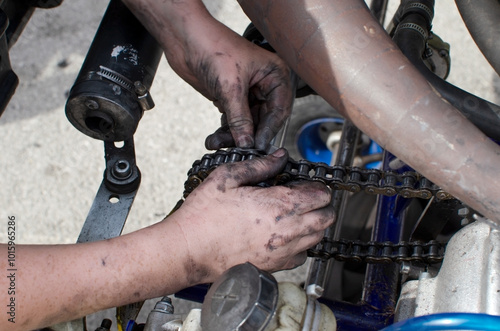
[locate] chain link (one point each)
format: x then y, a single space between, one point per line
352 179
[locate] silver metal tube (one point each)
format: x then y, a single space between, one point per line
344 54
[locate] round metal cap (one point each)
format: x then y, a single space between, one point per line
243 298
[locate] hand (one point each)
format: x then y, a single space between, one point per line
250 86
226 223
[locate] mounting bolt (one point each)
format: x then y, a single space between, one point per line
121 169
139 88
91 104
463 212
164 306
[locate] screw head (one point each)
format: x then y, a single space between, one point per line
121 169
91 104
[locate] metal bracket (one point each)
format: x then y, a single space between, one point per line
115 196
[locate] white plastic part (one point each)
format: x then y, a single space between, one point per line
295 309
192 321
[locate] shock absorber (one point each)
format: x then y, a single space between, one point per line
111 91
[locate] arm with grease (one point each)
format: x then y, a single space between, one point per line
222 223
224 67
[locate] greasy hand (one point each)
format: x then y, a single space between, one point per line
249 85
226 223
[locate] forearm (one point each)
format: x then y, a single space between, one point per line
63 282
171 22
186 31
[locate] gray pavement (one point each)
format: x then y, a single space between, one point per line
50 172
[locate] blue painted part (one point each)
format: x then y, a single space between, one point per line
374 148
194 293
449 321
313 148
357 317
131 325
310 144
381 281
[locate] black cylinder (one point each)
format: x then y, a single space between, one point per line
103 102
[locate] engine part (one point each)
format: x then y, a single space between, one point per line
161 315
300 312
468 281
111 93
243 298
105 325
344 54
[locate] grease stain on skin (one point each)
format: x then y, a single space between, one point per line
221 188
196 273
271 246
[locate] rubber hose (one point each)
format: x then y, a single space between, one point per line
482 18
483 114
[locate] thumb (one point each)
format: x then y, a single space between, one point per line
254 171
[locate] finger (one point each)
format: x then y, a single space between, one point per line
317 220
222 137
295 261
239 118
309 241
305 196
250 172
219 139
277 107
268 128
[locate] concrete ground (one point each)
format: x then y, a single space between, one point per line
50 172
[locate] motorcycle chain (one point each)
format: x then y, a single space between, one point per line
408 184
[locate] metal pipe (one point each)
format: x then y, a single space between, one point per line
344 54
345 155
482 18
